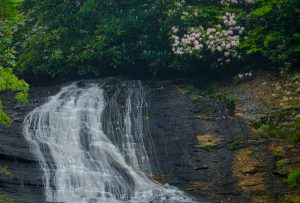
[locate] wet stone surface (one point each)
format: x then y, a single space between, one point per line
25 185
204 172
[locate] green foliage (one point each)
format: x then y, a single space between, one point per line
274 32
5 198
92 38
10 19
87 6
294 178
8 81
67 39
296 199
4 171
229 100
4 119
235 143
263 129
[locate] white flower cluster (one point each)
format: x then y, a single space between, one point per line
244 75
237 2
222 41
189 43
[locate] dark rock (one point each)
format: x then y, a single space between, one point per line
172 115
200 167
26 185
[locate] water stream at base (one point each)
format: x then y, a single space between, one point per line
93 144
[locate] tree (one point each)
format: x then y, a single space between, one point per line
10 19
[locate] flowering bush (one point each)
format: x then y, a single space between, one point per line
93 38
220 41
206 34
235 2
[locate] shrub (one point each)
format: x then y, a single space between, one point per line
92 38
10 19
274 32
66 39
207 32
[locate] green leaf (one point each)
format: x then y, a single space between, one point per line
262 11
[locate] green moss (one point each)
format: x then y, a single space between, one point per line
263 128
295 199
5 171
211 90
5 198
282 163
283 123
235 143
294 178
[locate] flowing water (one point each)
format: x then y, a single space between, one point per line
94 145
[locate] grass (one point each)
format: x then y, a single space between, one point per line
228 99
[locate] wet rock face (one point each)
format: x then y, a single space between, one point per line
181 140
25 184
176 129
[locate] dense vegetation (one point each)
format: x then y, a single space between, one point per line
89 38
92 38
10 19
67 39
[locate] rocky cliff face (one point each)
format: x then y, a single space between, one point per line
26 183
191 145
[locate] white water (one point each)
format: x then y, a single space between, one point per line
92 149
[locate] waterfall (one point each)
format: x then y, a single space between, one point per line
94 145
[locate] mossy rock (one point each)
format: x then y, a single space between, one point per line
208 140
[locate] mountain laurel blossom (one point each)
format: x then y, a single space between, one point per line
235 2
222 41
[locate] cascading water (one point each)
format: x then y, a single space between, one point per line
93 144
